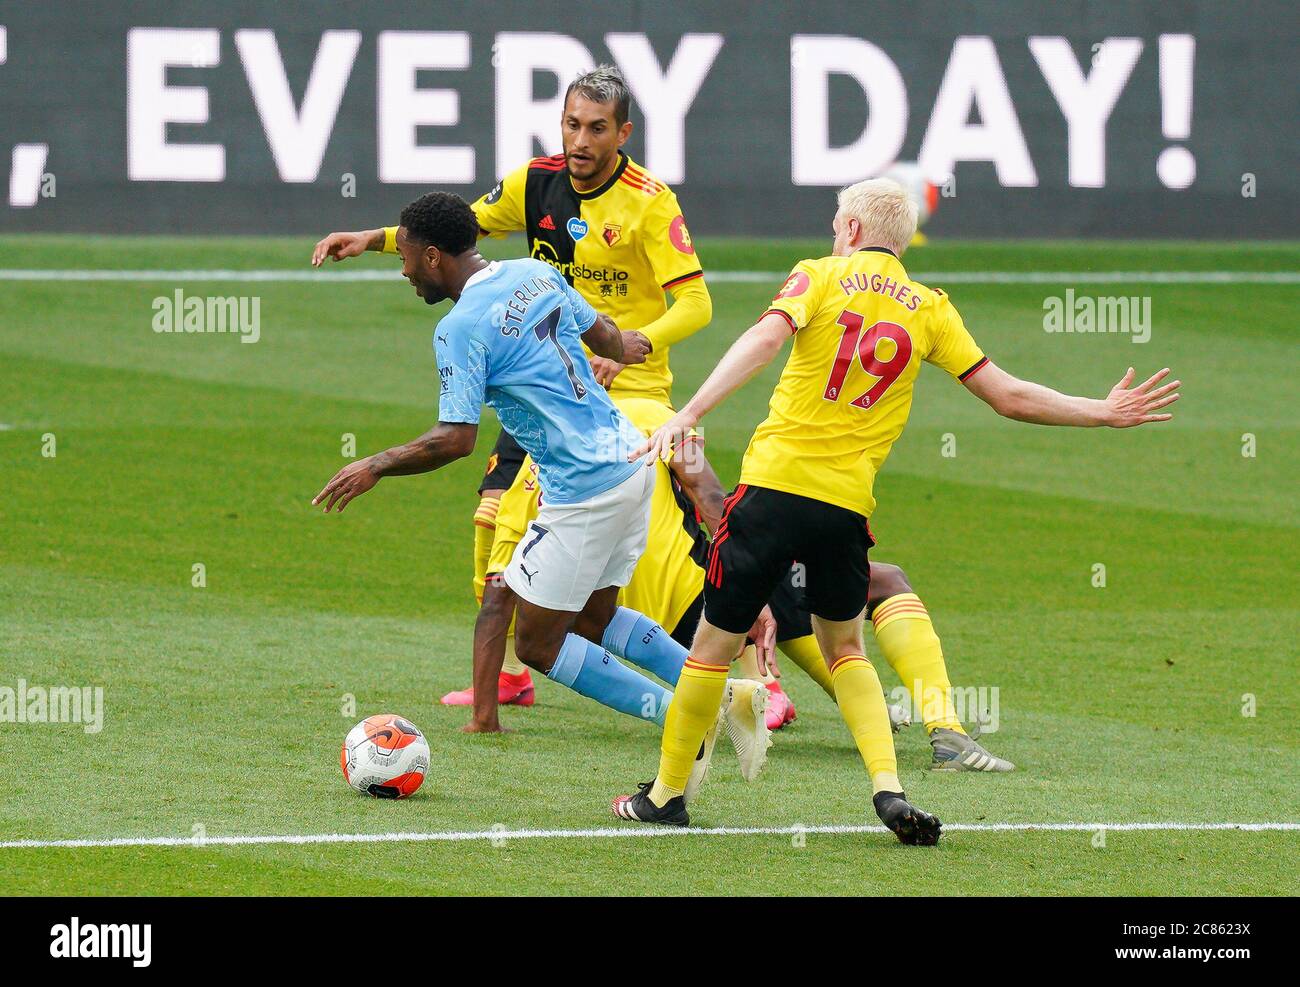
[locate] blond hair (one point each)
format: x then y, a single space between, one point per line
884 209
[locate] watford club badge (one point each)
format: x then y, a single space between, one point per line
612 234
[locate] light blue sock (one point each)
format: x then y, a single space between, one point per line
591 671
640 640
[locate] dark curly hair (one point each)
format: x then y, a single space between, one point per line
443 220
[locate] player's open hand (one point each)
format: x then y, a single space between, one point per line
339 246
636 347
350 482
763 634
606 370
1128 406
665 440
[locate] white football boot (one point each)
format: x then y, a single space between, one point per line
700 769
744 715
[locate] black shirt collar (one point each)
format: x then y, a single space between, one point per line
877 250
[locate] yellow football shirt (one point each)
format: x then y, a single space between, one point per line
622 245
862 328
670 574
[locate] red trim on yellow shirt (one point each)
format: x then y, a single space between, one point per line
785 315
683 279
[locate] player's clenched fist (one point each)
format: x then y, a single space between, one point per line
636 347
351 481
1135 406
341 245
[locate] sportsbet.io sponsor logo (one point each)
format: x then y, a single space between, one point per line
543 251
102 941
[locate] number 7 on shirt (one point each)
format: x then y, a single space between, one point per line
547 329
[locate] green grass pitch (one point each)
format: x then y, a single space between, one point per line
225 705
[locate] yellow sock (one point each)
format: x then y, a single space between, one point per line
862 704
694 709
748 667
805 653
910 645
485 526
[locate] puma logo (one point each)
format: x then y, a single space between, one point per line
524 569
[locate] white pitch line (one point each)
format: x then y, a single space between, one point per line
741 277
598 834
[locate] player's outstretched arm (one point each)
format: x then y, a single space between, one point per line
749 354
444 443
341 245
1123 407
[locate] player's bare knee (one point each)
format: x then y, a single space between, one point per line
714 646
838 638
886 580
539 635
596 615
534 653
590 628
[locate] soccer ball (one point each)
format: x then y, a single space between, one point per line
920 189
385 756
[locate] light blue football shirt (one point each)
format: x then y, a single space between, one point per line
513 342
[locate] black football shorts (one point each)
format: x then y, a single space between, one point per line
787 603
762 534
503 465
